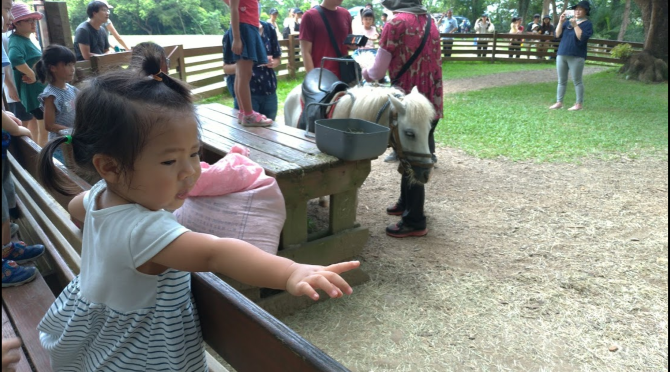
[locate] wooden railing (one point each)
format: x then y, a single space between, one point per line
202 67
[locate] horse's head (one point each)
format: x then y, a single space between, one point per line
410 134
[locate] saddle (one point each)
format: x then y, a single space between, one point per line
312 92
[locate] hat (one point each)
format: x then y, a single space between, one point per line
546 17
368 13
535 27
298 11
274 11
537 16
405 6
582 4
106 3
21 12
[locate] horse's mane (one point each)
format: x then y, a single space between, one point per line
369 100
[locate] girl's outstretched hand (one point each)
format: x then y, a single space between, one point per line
306 279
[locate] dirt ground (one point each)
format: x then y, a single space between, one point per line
527 267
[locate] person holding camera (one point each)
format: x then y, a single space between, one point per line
574 31
448 25
484 26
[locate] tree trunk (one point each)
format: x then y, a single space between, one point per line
625 21
555 15
523 9
652 64
545 7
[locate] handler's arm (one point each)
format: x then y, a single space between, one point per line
306 47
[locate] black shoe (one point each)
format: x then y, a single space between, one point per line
400 230
434 157
395 210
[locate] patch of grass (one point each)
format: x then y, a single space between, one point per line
621 118
461 70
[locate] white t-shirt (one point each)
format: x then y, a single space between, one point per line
114 316
7 70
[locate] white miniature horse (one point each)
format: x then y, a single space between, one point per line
409 117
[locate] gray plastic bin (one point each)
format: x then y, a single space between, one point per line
351 139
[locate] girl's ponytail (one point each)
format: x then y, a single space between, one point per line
41 72
46 169
148 59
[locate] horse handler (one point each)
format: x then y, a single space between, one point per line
401 39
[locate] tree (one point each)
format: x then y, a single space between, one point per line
651 65
624 22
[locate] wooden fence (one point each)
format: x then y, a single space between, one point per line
202 68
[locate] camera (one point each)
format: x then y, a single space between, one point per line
569 14
357 40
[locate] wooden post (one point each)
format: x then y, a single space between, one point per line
495 46
179 55
291 57
57 30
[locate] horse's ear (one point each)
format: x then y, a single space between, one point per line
397 103
415 90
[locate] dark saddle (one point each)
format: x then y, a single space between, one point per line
323 94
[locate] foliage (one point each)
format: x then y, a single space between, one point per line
622 51
139 17
621 117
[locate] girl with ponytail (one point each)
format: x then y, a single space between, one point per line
131 307
56 69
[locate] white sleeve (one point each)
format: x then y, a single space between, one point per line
151 234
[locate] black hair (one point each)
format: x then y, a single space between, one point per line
144 51
514 19
115 114
94 7
369 5
368 13
53 55
385 15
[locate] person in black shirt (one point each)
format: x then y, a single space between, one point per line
90 37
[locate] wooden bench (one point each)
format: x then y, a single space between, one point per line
244 335
303 173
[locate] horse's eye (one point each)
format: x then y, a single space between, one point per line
410 133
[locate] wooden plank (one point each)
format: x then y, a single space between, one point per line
206 81
295 227
336 179
64 271
207 70
288 130
8 332
26 305
302 160
45 207
343 208
270 345
326 251
297 142
208 60
197 52
217 147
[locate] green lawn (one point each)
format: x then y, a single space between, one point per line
621 117
460 70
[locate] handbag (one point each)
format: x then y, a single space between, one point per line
411 61
350 71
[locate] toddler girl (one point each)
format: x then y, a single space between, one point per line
56 68
248 48
131 307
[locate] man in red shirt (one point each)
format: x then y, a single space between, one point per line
314 40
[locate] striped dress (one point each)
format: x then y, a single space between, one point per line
112 317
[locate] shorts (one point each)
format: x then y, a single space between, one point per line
8 193
19 111
253 47
38 114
